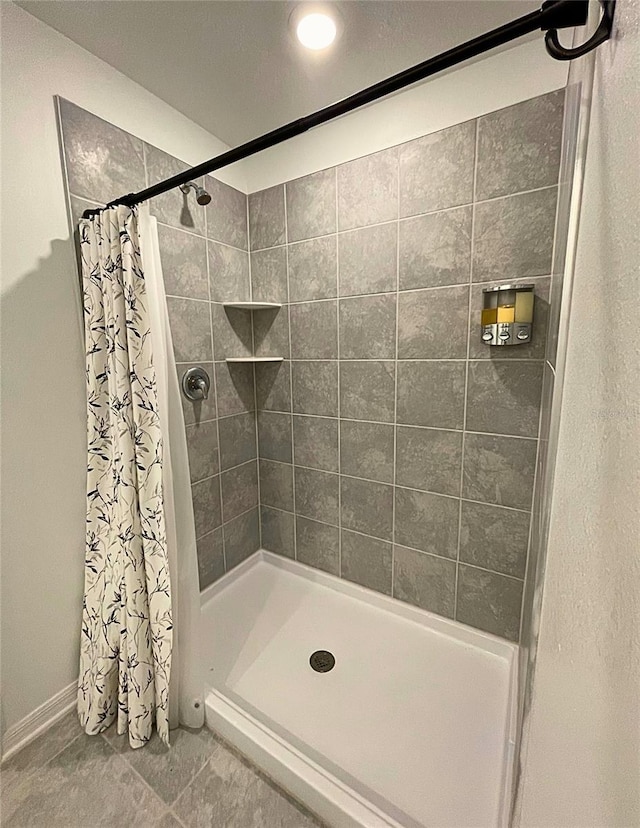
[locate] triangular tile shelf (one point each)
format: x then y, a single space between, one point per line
252 305
255 359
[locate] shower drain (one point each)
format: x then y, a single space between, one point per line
322 661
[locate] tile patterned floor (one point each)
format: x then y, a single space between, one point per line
68 779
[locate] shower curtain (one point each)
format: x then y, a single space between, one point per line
132 584
187 681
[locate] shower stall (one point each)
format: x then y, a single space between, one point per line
369 478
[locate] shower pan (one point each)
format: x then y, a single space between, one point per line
413 726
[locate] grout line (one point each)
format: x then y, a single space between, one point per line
173 813
287 512
492 571
265 777
414 215
246 201
245 413
403 545
210 532
272 247
423 289
215 385
239 515
257 438
200 236
395 384
384 422
466 374
93 201
374 359
191 298
533 517
86 200
485 360
257 458
255 384
339 427
227 522
290 368
193 778
320 300
123 755
389 484
27 772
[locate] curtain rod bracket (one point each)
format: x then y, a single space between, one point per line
601 34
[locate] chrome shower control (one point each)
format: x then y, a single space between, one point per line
196 384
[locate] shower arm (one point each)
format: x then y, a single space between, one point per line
551 16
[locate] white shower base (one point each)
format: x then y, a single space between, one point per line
413 727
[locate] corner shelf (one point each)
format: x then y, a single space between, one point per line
252 305
255 359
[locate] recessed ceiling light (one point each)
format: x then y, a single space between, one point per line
316 30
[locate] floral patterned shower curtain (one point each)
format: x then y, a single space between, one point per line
126 639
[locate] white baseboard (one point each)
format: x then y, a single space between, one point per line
41 719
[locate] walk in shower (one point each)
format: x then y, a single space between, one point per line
364 467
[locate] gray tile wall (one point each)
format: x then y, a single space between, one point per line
205 261
390 447
397 450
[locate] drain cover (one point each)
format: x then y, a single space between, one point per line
322 661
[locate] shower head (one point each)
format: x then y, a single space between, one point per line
202 196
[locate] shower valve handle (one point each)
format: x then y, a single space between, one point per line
199 389
196 384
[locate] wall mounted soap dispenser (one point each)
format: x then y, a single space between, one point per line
507 314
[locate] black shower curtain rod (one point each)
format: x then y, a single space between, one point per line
552 15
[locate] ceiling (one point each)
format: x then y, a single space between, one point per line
234 67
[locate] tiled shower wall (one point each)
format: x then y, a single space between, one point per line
395 449
205 261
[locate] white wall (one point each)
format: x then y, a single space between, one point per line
43 408
582 766
499 80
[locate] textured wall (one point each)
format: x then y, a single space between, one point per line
205 261
395 449
582 767
43 397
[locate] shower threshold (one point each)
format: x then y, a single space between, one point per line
409 722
